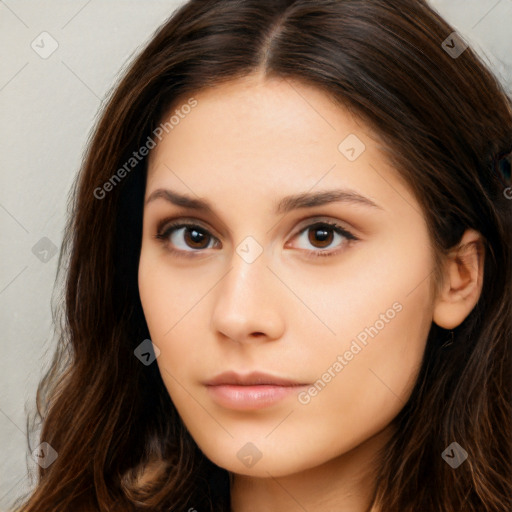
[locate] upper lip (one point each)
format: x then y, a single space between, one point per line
250 379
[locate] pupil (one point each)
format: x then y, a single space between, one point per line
323 234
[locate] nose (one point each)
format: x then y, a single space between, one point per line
248 302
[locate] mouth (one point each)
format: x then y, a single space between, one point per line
252 391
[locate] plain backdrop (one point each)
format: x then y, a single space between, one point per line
48 107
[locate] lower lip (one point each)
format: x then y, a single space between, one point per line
250 397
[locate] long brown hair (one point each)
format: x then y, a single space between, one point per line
443 117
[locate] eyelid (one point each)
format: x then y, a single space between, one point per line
305 222
319 219
180 220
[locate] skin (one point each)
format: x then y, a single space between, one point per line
243 147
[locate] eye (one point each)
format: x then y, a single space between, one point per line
184 236
322 235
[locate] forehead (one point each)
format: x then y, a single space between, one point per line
259 137
253 111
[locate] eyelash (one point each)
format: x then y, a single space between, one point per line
165 229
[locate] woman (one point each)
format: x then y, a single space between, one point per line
215 360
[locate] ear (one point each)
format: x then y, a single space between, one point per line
463 271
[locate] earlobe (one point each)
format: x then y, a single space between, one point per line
463 279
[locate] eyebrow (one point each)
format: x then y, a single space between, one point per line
285 205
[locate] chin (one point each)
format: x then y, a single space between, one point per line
263 459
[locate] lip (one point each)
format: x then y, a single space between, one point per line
251 379
252 391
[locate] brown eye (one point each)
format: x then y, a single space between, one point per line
196 238
320 237
185 238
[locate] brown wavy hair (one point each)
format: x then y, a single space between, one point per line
120 441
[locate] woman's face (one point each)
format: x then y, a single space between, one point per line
242 290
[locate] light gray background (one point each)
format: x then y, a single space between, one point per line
47 110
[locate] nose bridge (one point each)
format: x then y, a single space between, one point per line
245 300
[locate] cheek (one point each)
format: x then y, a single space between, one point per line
361 387
378 293
152 287
381 317
171 300
166 293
